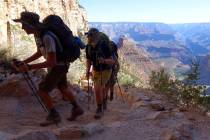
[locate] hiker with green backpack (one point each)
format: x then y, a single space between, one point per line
55 43
99 56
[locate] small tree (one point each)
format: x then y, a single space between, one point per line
194 74
161 81
186 93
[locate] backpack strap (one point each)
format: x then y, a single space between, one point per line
89 50
56 39
114 49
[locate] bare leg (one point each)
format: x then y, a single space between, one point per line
111 92
99 93
53 116
68 93
46 99
99 100
76 111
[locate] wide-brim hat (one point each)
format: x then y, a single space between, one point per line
92 32
29 19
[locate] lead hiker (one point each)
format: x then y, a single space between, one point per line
52 47
99 56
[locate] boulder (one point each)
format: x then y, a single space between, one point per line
183 109
93 128
138 104
169 135
208 114
182 131
5 136
71 132
117 124
76 132
154 115
14 86
36 135
157 106
185 130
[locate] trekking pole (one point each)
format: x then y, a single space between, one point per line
34 90
101 87
88 92
115 75
93 93
120 89
31 85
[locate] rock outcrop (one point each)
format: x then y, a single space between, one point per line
11 34
204 70
136 60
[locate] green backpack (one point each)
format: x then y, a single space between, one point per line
112 46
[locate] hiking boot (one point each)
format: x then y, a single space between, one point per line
99 114
75 113
52 118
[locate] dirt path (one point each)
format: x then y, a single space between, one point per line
136 119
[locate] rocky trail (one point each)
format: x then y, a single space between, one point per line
144 116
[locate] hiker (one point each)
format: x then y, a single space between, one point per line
115 69
99 56
48 46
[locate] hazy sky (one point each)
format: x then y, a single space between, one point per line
167 11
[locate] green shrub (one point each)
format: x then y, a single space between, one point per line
186 93
26 38
6 58
126 79
189 95
160 81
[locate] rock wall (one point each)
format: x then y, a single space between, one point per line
11 34
136 61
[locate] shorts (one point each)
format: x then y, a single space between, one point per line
104 75
56 77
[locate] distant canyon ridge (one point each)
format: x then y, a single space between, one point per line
172 46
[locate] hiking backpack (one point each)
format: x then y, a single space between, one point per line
112 45
70 45
114 49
